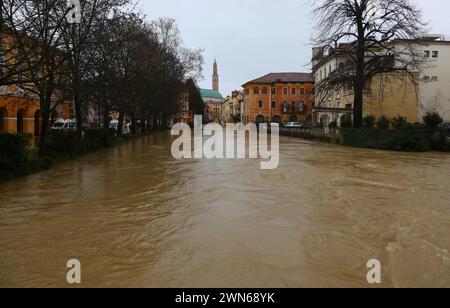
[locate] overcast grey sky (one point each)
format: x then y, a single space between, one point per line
251 38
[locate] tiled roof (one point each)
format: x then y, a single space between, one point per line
284 77
205 93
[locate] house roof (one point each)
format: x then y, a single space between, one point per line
205 93
285 78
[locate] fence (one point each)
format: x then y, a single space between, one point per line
322 134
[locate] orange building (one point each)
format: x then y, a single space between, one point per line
278 97
19 109
18 113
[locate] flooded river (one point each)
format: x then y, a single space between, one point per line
136 217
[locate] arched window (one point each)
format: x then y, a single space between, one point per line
20 119
260 119
3 116
276 119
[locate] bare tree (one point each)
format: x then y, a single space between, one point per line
77 40
36 26
369 34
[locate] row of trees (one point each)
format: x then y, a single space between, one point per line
99 55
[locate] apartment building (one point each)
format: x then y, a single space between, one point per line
278 97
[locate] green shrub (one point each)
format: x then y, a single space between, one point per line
383 122
346 121
64 143
432 120
13 154
98 137
399 122
369 121
411 138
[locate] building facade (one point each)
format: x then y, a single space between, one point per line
435 76
232 108
278 97
20 109
184 113
20 113
388 94
213 104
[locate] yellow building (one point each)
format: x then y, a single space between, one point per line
19 109
232 108
389 94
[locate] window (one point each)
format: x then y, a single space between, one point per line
247 91
329 69
264 90
434 78
294 91
302 106
285 91
274 105
302 91
274 91
255 90
435 54
285 106
294 106
260 104
427 54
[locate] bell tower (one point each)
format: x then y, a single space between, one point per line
215 77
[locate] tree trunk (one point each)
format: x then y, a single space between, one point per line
106 121
43 138
120 125
133 126
360 74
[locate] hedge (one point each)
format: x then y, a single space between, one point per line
412 138
13 154
17 160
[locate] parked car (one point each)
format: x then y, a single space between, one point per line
62 124
294 125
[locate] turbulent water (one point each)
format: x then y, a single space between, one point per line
136 217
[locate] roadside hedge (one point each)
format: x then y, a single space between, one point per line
17 159
412 138
98 137
13 154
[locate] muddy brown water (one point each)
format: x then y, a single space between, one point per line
136 217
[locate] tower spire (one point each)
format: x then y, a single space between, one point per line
215 77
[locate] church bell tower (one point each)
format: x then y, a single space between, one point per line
215 77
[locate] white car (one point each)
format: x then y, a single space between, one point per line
294 125
64 124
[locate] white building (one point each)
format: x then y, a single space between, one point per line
435 77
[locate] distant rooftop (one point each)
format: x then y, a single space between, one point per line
206 93
285 78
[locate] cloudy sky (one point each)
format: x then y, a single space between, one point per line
250 38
